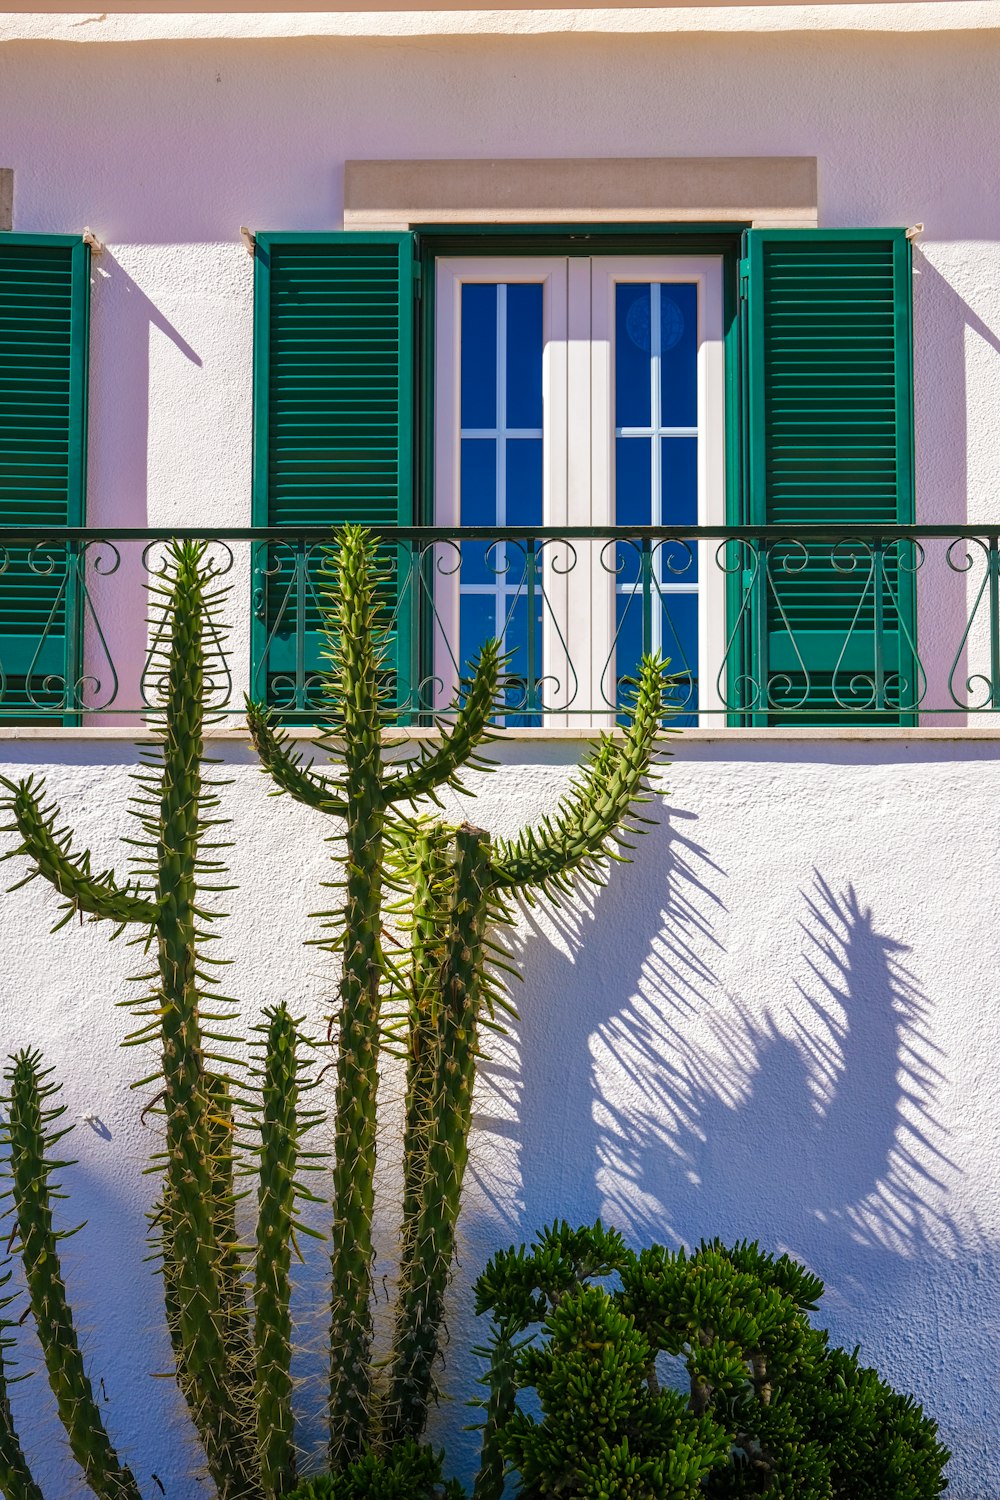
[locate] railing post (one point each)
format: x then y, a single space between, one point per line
646 573
878 564
994 574
300 625
759 654
531 686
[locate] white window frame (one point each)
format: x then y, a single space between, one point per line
578 479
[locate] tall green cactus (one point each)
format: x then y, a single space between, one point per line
460 890
601 805
233 1361
176 866
16 1481
30 1138
361 792
280 1125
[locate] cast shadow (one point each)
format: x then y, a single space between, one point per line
641 1089
115 605
947 579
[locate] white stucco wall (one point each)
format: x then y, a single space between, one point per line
780 1021
777 1022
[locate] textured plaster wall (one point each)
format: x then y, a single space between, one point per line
778 1021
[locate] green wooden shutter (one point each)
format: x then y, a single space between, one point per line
333 428
828 371
44 315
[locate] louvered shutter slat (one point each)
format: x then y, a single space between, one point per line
829 375
44 305
333 428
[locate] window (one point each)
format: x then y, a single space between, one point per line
589 379
44 308
579 392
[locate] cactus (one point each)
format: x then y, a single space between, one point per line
361 795
175 866
280 1125
16 1481
30 1139
574 840
460 890
233 1364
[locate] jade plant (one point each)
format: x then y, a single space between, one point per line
226 1124
458 890
666 1375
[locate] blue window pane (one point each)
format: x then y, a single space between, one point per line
633 501
524 482
679 470
632 346
678 629
479 355
478 480
477 623
524 355
680 481
679 355
628 645
521 692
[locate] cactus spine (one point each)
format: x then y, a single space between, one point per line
207 1313
30 1138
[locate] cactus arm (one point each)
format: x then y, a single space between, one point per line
614 781
196 1275
30 1140
16 1479
428 1243
428 858
357 661
460 743
284 764
53 858
280 1127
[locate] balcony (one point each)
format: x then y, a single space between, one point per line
762 626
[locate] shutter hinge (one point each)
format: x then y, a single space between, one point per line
744 276
418 279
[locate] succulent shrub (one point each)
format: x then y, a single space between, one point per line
406 1472
667 1374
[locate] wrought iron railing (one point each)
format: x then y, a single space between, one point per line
761 625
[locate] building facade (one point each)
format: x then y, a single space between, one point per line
673 328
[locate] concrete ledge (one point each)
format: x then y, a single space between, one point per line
123 25
121 734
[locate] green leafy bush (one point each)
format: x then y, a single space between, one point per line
670 1376
407 1472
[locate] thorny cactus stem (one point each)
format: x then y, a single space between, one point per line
576 839
361 795
429 1233
280 1126
16 1480
209 1329
431 867
30 1139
